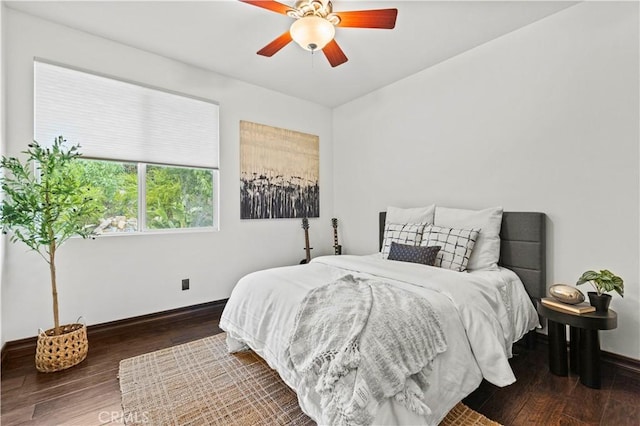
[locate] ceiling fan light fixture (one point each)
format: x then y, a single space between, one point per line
312 32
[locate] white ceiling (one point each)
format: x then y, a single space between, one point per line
223 36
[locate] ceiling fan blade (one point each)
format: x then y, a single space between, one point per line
334 54
277 44
378 18
271 5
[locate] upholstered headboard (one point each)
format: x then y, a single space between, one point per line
522 248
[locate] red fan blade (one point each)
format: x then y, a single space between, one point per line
277 44
379 18
271 5
334 54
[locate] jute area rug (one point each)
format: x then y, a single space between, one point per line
200 383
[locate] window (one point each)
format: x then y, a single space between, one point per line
178 197
150 155
115 186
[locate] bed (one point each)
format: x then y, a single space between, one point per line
481 313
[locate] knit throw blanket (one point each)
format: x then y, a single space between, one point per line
358 342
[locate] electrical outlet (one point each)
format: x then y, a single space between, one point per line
185 284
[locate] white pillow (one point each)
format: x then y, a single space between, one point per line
456 245
402 233
412 215
486 252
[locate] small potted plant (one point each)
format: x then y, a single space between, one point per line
45 202
603 281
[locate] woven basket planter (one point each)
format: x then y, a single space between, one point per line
55 353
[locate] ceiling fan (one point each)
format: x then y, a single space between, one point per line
315 22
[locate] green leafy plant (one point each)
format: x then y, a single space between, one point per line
45 203
603 281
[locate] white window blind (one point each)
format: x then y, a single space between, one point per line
113 119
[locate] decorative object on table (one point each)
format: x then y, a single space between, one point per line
603 281
566 294
576 308
45 203
315 22
337 248
307 249
279 173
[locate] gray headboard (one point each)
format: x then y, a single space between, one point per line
522 248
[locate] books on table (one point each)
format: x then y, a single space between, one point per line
580 308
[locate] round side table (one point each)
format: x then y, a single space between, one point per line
584 341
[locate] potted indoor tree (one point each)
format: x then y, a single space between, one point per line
45 202
603 282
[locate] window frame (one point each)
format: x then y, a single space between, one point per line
141 171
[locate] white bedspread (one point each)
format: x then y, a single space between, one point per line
481 313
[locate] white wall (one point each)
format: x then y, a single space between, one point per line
542 119
118 277
2 151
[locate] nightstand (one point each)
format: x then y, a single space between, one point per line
584 349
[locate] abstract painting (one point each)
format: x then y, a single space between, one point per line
279 173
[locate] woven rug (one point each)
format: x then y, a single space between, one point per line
200 383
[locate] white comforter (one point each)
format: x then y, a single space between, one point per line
482 314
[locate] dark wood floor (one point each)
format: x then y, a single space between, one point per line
88 394
541 398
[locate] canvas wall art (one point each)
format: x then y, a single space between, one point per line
279 173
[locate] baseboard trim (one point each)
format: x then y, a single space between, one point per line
27 346
618 361
622 362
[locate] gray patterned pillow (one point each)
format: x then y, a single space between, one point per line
413 254
456 245
403 233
